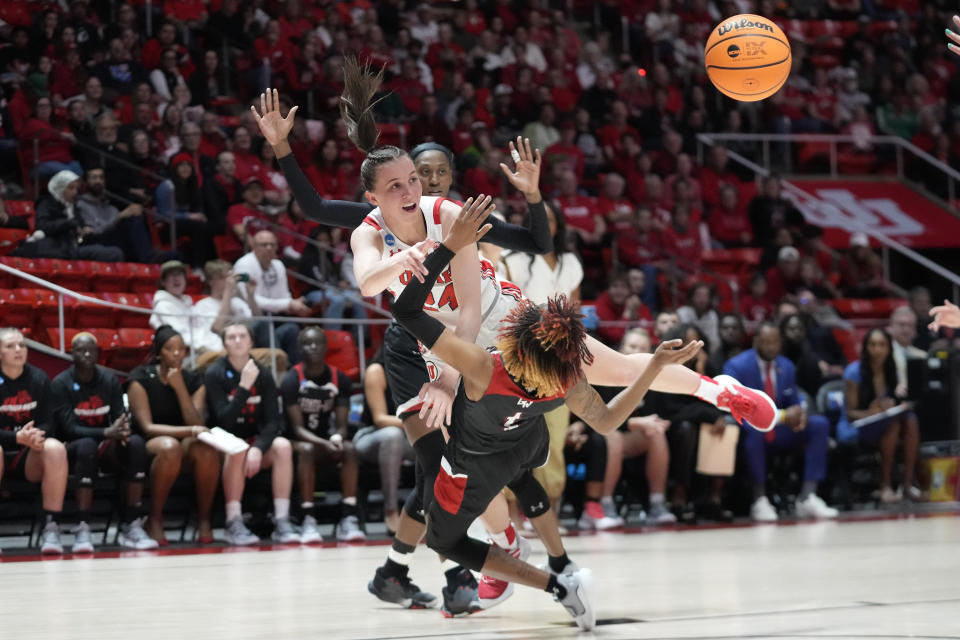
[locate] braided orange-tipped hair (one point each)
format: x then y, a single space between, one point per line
544 347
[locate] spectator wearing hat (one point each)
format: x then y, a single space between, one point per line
171 306
785 275
125 229
62 232
272 294
180 199
245 218
861 272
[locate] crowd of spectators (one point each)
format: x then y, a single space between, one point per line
127 130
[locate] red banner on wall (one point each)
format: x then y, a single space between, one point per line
891 208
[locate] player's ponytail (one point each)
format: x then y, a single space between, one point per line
360 85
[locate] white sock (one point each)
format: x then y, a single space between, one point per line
607 501
656 498
306 506
233 510
352 501
506 539
281 508
399 558
709 390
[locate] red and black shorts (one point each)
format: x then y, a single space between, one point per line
15 463
406 371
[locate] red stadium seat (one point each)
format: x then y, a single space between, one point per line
132 348
10 239
108 276
106 340
129 319
47 308
342 353
142 278
222 244
16 308
20 208
71 274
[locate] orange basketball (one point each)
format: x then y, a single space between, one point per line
747 57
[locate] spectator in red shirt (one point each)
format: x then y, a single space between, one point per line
784 276
325 174
754 304
52 139
642 245
408 87
579 211
653 198
714 175
248 164
463 132
292 23
729 223
665 160
274 50
681 240
221 191
238 231
613 206
618 304
190 13
486 178
610 135
566 151
294 221
685 169
445 43
152 52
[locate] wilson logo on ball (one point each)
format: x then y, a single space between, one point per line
743 23
733 51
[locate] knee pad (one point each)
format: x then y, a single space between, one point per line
530 495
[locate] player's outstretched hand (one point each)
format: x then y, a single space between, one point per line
955 36
526 175
274 127
945 315
468 226
671 351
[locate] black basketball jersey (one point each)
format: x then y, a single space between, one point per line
502 417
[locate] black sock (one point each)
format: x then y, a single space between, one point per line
554 587
347 509
83 516
453 576
394 569
50 516
558 563
402 547
132 513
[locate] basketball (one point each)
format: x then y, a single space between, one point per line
747 57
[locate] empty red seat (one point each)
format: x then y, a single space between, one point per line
10 239
127 319
142 278
16 308
342 353
108 276
71 274
132 348
47 307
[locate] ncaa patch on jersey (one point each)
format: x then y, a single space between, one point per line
389 240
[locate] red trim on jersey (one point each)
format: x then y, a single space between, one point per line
373 223
333 375
510 289
436 208
502 384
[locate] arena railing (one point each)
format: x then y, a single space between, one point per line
272 319
706 140
905 153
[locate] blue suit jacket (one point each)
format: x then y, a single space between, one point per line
744 368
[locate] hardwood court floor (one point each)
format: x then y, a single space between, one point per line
875 579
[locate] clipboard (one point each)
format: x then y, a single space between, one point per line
717 454
223 440
883 416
